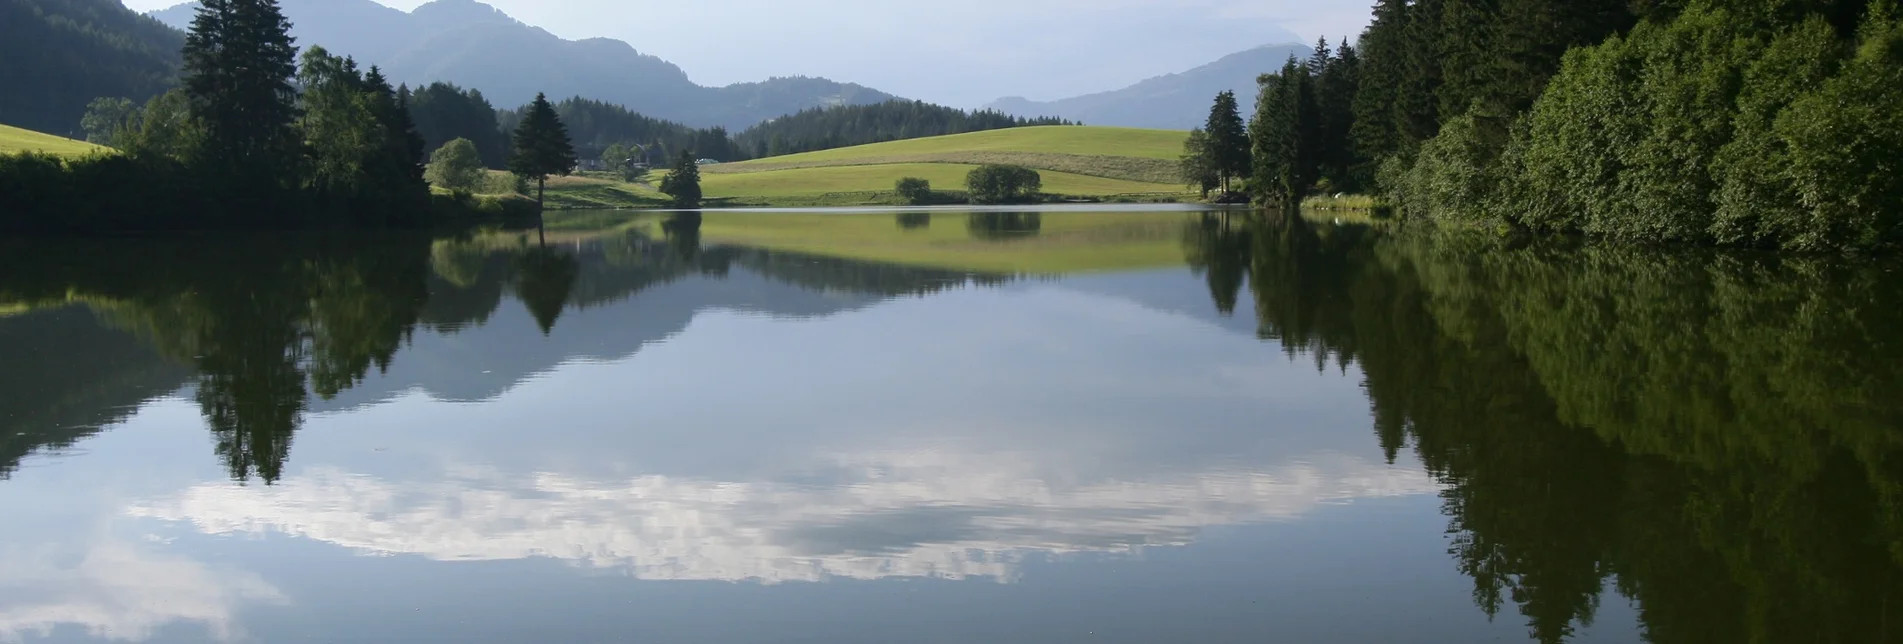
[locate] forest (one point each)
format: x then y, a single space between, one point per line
62 54
1750 123
849 125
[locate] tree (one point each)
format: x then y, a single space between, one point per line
1228 139
1285 136
444 112
914 191
614 156
542 148
683 183
239 60
995 184
1198 163
110 121
456 166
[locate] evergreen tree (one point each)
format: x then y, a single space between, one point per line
1416 98
1335 91
683 183
1285 137
239 60
542 148
1382 47
445 112
1228 139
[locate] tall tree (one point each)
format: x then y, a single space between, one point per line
683 183
239 60
1285 136
1382 49
1228 139
542 148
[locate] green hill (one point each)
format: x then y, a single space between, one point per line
13 139
1079 161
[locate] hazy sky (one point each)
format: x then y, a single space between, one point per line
963 53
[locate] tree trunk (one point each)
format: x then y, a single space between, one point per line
541 231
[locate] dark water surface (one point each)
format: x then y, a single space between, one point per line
1258 430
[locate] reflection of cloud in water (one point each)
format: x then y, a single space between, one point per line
118 591
893 515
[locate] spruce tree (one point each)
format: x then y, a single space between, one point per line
1284 136
683 183
1228 139
1382 50
1416 100
542 148
239 60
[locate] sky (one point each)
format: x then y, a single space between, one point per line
965 53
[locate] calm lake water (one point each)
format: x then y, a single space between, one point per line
941 426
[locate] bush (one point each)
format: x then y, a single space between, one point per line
914 191
456 166
1453 176
994 184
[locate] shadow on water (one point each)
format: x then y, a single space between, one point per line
1716 436
1001 226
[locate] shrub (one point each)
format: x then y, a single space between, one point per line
914 191
456 166
993 184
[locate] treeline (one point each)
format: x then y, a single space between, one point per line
61 54
254 136
825 128
596 126
1760 123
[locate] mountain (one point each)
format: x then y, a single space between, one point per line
475 45
1173 102
56 56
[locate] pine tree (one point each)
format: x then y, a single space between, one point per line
683 183
1382 50
1416 100
1284 136
542 148
1228 139
1335 91
239 60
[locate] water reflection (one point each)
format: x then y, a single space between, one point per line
1715 437
1004 225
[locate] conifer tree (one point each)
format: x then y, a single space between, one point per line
683 183
542 149
239 60
1228 139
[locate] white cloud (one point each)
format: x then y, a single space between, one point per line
898 514
119 591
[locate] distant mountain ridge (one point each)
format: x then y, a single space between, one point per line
476 45
1171 102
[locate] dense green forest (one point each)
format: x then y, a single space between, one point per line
444 112
1762 123
825 128
61 54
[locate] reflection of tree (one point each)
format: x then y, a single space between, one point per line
1219 251
683 236
545 278
1004 225
915 220
1715 436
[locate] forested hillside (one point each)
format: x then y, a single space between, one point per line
595 125
58 55
1764 123
846 126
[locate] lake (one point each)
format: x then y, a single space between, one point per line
1125 424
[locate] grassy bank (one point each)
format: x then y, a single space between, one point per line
13 139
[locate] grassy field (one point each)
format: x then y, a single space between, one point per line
1066 242
1145 157
13 139
1096 163
862 178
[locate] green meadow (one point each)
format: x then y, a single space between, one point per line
13 139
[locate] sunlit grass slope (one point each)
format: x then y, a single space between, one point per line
873 178
13 139
1144 156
